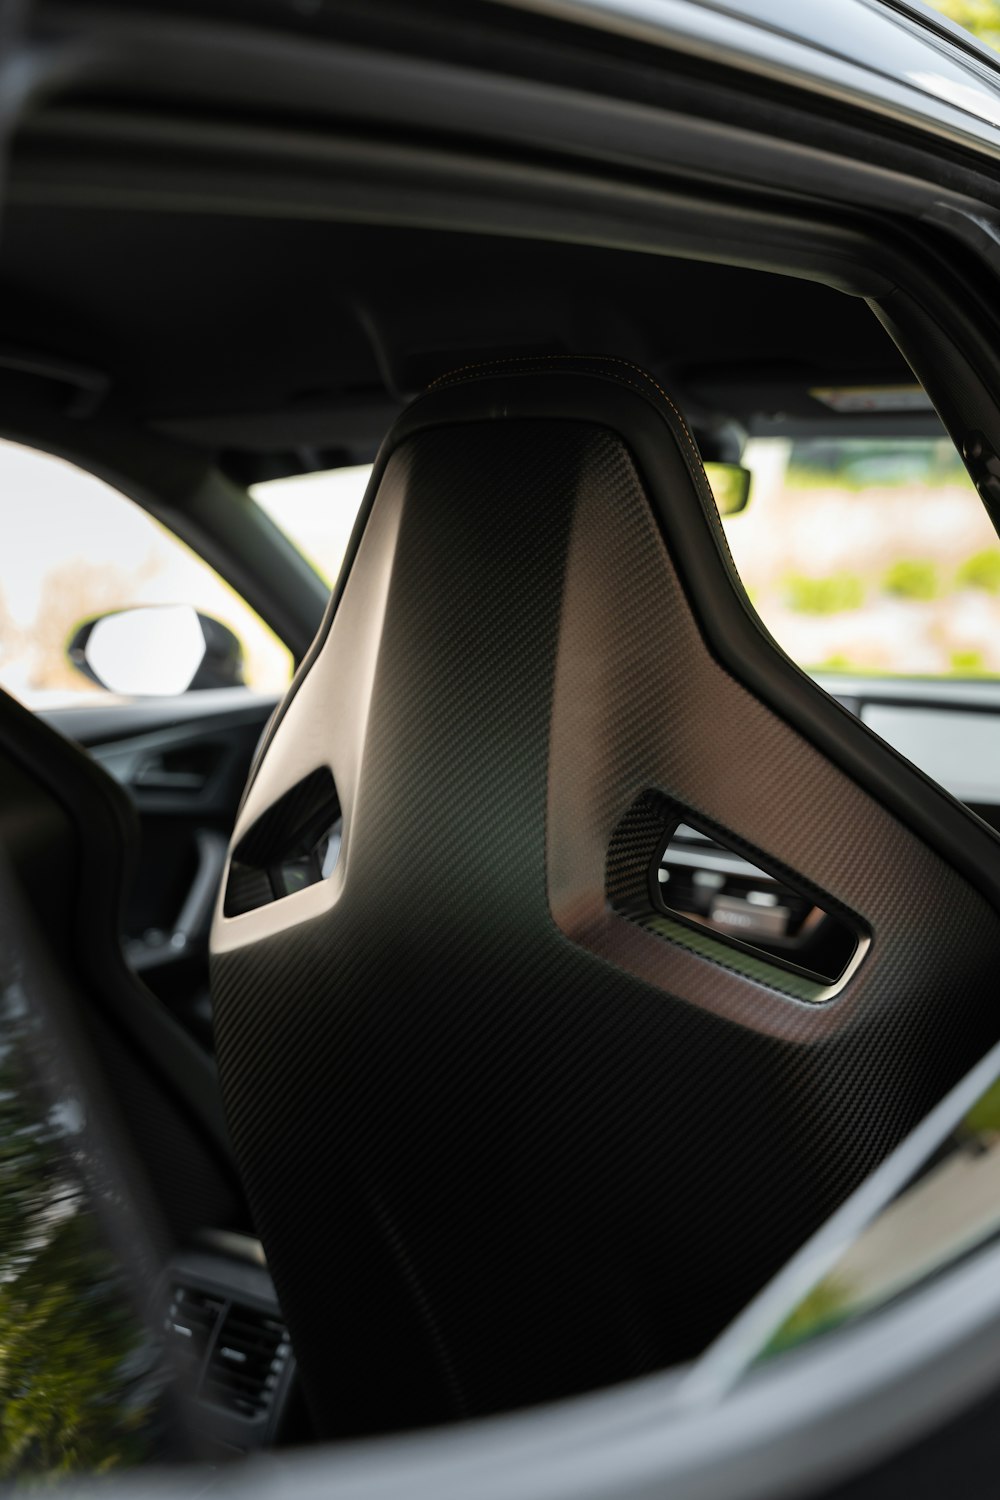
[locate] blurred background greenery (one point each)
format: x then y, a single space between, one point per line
982 17
870 556
80 1381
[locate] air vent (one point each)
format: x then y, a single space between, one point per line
246 1363
189 1327
228 1354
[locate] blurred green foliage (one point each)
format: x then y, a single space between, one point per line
969 664
824 1307
858 465
981 571
824 596
855 528
912 578
66 1334
981 17
984 1116
76 1375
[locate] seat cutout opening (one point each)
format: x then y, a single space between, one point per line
293 845
689 883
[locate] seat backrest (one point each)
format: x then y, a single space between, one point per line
507 1132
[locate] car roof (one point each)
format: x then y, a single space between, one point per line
896 56
242 315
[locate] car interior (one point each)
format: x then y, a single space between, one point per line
263 405
492 1016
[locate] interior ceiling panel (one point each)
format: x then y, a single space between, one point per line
197 315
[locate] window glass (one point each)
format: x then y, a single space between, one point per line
981 17
950 1208
861 555
317 512
870 555
74 547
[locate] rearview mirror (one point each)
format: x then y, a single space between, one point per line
730 485
157 651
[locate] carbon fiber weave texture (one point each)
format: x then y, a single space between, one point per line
500 1144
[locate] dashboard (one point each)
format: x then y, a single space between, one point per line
950 729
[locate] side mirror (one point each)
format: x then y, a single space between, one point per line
157 651
730 486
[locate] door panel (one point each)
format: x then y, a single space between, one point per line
184 762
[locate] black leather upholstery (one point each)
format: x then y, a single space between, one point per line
503 1142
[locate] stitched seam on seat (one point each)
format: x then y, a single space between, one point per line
454 377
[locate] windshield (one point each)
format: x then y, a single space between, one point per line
870 555
861 555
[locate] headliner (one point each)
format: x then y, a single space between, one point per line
243 333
